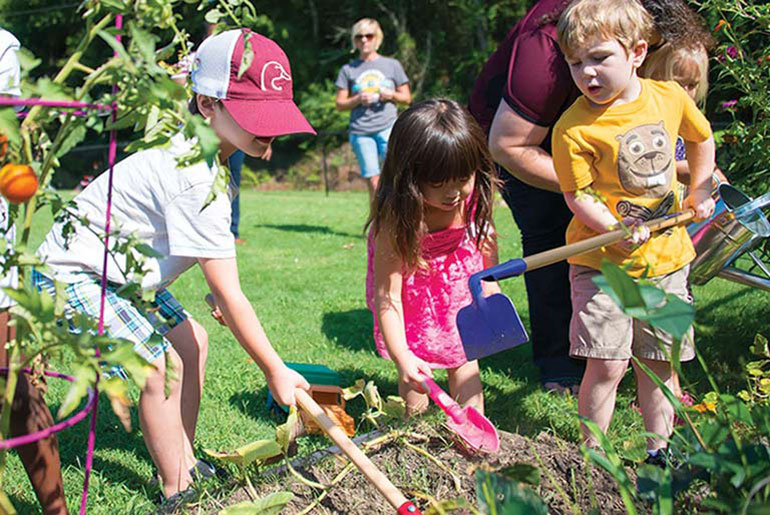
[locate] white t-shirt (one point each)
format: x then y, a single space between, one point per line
10 73
158 202
9 85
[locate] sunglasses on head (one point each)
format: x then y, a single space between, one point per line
364 36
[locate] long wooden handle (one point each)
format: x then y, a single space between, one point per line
359 459
596 242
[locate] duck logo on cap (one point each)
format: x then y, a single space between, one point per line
274 68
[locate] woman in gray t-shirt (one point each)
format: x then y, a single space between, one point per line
370 87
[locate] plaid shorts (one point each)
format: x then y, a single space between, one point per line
122 318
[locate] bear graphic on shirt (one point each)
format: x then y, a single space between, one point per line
646 160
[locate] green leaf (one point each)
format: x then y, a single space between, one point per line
760 346
736 409
259 450
654 484
27 60
49 90
270 505
372 396
620 286
144 41
85 377
610 461
147 250
213 16
394 407
674 317
522 472
673 399
9 125
247 58
285 433
353 391
497 494
75 136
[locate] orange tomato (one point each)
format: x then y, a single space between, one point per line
17 182
3 145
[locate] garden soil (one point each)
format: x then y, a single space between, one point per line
422 478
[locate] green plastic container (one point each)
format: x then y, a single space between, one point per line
317 374
313 374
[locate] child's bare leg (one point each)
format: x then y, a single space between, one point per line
163 428
465 385
191 342
657 412
371 185
416 402
598 390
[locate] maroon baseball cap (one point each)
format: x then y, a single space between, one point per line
261 99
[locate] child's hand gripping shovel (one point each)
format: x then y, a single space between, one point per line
491 324
475 429
359 459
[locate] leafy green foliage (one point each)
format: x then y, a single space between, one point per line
501 495
726 446
741 86
270 505
644 301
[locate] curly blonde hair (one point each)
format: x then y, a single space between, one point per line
626 21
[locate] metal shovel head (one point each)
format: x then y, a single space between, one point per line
477 432
490 325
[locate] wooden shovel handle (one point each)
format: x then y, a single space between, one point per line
359 459
596 242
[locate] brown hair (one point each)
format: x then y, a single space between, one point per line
676 23
432 142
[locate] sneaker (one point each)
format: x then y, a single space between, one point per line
173 502
662 458
203 470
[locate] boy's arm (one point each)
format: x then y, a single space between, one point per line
600 219
700 161
222 277
389 311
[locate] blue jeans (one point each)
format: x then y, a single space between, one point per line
235 162
370 151
542 217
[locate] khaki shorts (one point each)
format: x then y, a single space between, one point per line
599 329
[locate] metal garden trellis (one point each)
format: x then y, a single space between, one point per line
93 397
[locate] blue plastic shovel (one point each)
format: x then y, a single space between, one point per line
491 324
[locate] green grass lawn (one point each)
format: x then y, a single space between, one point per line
304 268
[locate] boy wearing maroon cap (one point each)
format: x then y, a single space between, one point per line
164 205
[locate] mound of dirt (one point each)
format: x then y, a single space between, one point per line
446 474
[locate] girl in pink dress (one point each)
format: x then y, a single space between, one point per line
430 229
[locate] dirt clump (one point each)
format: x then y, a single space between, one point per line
448 473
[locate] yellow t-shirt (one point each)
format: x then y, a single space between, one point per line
625 153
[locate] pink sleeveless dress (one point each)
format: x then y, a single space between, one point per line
431 297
